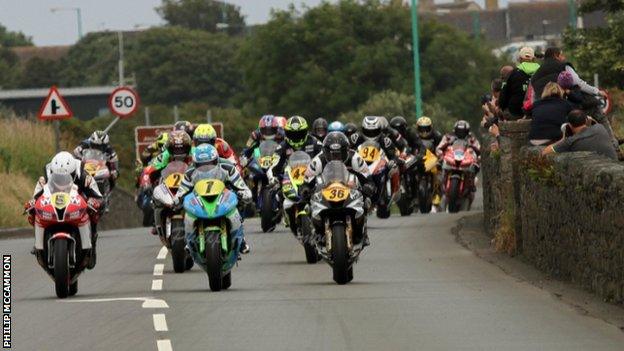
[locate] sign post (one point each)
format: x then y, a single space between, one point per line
55 108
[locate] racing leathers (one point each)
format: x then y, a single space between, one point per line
312 147
225 151
256 138
385 143
151 152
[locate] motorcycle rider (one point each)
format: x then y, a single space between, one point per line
336 126
206 134
398 141
372 129
99 140
407 133
268 129
185 126
428 135
298 138
336 147
155 148
319 128
461 131
65 163
350 129
204 155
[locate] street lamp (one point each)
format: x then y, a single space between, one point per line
78 16
417 87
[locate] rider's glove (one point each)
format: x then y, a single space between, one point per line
243 161
305 193
369 190
93 204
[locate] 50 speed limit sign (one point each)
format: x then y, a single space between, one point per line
123 102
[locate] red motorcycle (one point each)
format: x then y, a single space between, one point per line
63 238
458 168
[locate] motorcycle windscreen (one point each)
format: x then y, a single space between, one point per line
335 171
173 174
267 151
298 163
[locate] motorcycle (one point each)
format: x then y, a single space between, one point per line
214 246
458 167
264 188
170 223
95 164
387 180
339 219
295 208
409 185
63 237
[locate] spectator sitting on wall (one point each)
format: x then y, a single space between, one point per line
585 137
514 90
548 115
553 64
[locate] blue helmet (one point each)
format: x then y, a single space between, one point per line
205 154
336 126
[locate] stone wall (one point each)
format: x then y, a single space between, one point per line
566 211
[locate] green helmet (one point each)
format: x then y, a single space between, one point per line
296 131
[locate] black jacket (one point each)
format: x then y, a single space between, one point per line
312 147
548 72
512 94
548 116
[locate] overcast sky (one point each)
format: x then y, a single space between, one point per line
34 18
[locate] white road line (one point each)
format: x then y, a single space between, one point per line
157 284
162 254
160 323
158 269
164 345
154 303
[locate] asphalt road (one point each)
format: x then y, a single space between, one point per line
415 288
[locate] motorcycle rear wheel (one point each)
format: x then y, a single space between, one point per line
61 269
178 246
307 233
214 263
340 254
383 211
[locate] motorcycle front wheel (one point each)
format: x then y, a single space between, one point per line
425 196
454 196
340 255
178 246
214 262
266 212
61 269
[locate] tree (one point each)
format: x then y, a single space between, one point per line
8 69
92 61
333 57
39 72
174 65
600 50
10 39
202 15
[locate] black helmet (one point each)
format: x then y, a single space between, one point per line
350 129
319 128
336 147
399 124
185 126
461 129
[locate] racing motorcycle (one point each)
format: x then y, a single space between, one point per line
459 164
409 185
339 220
213 244
295 208
171 230
264 187
95 164
63 238
387 180
426 182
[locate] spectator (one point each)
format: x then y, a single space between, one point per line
548 115
491 113
512 94
593 138
505 72
555 63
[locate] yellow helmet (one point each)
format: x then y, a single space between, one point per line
424 125
162 139
204 134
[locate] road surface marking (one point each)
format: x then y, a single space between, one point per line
164 345
158 269
148 302
157 284
160 323
162 254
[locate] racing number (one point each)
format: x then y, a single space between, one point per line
336 194
209 187
177 178
368 153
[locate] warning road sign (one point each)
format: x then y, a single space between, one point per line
54 107
123 102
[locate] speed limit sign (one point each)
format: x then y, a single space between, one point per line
123 102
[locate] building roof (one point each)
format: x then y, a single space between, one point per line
25 53
65 92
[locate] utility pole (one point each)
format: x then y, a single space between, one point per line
78 16
417 87
572 13
121 59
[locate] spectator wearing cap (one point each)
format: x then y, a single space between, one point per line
554 63
514 89
585 137
549 114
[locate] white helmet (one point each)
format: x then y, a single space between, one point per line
63 163
372 127
99 137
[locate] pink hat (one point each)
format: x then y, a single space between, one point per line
565 80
